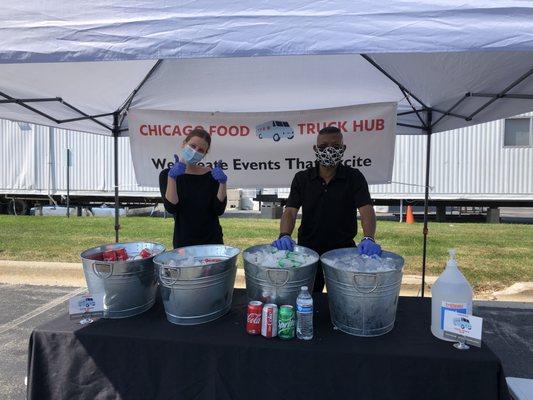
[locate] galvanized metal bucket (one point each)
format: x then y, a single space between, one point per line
129 287
197 294
278 285
362 303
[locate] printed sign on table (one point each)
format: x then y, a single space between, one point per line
86 305
463 326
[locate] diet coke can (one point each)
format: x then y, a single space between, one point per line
253 317
269 321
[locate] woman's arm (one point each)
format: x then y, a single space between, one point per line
165 187
222 192
171 193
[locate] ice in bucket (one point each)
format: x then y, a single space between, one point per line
270 257
364 263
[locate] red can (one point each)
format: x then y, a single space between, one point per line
122 255
269 321
109 255
145 253
253 317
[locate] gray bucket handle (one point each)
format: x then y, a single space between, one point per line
269 270
356 284
168 280
100 274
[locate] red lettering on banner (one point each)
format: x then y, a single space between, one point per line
301 126
342 126
152 130
167 130
358 125
369 127
310 129
245 131
142 129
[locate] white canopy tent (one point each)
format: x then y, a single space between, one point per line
81 66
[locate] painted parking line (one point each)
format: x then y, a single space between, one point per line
40 310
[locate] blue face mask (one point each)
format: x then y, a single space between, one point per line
191 156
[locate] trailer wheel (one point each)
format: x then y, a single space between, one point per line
18 207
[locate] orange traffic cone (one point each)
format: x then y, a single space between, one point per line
410 218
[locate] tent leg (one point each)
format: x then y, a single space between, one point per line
426 199
115 157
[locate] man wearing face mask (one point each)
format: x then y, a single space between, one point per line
194 194
330 195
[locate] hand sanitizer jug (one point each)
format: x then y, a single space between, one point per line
452 292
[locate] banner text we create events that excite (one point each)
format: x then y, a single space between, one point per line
265 149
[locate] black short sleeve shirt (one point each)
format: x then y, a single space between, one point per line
329 211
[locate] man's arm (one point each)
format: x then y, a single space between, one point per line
368 220
288 220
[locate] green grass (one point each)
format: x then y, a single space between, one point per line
491 256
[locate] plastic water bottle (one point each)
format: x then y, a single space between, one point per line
304 315
451 292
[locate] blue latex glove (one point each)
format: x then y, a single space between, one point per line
218 174
369 247
284 243
177 169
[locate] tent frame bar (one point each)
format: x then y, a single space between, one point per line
451 109
505 96
501 94
126 105
44 99
411 126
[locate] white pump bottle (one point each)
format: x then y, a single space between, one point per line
451 291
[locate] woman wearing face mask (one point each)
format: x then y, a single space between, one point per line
194 194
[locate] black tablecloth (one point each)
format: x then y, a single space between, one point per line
146 357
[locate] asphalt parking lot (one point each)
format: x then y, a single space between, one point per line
508 331
24 307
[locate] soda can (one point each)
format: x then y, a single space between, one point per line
253 317
269 321
286 322
145 253
109 255
121 254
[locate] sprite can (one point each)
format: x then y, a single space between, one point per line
286 325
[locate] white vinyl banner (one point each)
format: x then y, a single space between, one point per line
265 149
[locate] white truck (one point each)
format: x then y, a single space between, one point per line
274 130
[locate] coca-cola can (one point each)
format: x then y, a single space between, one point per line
121 254
109 255
145 253
253 317
269 321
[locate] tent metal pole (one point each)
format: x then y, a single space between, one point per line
446 113
125 107
501 94
504 96
429 130
402 87
115 158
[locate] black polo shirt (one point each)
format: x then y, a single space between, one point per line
329 211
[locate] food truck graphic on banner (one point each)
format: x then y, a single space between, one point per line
274 130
